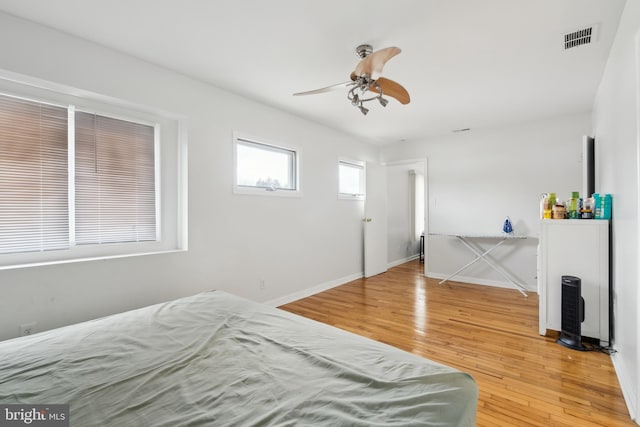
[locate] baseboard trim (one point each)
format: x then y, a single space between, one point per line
476 281
329 285
346 279
402 261
314 290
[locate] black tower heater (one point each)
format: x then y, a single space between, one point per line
572 313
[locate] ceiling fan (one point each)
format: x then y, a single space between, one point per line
366 83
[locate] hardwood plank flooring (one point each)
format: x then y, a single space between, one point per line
491 333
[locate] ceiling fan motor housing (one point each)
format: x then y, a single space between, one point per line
364 50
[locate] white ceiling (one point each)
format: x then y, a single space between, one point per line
466 63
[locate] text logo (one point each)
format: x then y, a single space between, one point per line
34 415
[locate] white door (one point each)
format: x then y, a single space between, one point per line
375 221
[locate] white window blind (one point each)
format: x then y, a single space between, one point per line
33 176
115 180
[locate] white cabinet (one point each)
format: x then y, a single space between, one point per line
580 248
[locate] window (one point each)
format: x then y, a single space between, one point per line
114 180
416 180
265 168
33 176
351 180
111 199
73 181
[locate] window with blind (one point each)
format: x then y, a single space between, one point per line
73 178
34 203
115 180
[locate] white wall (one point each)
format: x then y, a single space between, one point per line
478 178
294 244
401 245
616 118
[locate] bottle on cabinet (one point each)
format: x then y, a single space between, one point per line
602 206
596 207
586 212
558 211
547 203
572 206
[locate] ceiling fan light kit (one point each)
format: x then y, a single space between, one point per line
366 78
357 94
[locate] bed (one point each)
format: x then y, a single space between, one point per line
215 359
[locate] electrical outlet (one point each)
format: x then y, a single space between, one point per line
261 284
27 329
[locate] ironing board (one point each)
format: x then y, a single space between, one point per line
482 254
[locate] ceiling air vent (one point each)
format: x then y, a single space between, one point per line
579 37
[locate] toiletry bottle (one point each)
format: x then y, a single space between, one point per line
597 207
608 201
552 201
572 205
559 210
587 208
545 209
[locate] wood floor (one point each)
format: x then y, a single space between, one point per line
491 333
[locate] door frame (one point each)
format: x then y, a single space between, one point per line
425 163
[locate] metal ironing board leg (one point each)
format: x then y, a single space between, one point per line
482 255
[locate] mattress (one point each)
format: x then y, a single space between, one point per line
215 359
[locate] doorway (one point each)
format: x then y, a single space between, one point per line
403 186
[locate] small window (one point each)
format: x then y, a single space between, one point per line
265 168
351 180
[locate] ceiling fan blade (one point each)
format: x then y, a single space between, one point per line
373 64
392 89
324 89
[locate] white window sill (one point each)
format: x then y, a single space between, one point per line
343 196
265 192
94 258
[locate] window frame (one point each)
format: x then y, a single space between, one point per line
295 172
157 175
355 164
170 139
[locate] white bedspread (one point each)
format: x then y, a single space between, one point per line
214 359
